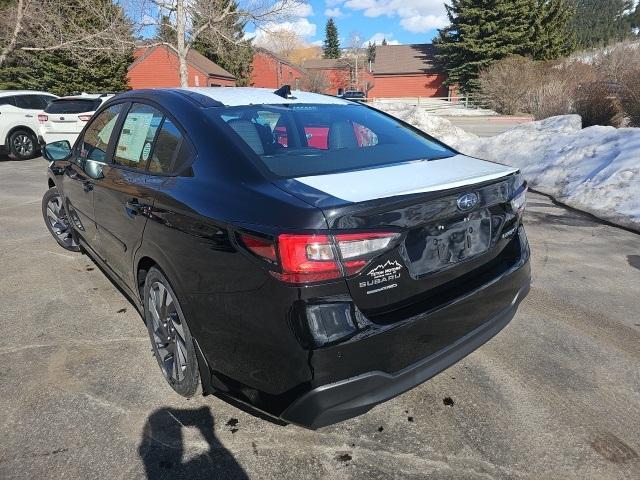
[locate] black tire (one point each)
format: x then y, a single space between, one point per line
170 336
57 221
23 145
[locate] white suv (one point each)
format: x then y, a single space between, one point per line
18 121
65 117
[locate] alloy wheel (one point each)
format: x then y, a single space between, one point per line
59 222
168 333
23 144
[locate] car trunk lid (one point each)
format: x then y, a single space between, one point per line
452 215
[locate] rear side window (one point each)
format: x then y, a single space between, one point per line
68 105
8 101
166 149
137 135
96 138
299 140
30 102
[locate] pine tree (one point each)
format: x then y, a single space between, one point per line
601 22
371 52
331 41
234 53
60 73
553 33
483 31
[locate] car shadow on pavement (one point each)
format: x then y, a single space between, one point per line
163 448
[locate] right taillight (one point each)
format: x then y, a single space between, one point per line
308 258
519 200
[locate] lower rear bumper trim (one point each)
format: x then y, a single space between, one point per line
339 401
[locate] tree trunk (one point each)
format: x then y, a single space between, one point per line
183 49
11 44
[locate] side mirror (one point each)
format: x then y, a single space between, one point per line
60 150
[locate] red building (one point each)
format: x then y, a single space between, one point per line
398 71
271 71
158 66
407 71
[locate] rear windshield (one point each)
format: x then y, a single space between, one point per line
305 139
73 105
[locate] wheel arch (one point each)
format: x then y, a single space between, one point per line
18 128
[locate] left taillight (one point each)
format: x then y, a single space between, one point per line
308 258
519 200
84 118
43 118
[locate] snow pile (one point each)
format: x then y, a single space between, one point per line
596 169
438 127
435 106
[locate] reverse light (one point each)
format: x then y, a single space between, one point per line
43 118
519 200
307 258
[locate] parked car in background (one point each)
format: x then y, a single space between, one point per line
65 117
354 95
309 279
19 121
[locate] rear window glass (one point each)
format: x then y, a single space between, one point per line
307 139
73 106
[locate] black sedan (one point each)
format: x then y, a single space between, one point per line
304 255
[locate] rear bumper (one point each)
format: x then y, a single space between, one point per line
339 400
348 398
47 137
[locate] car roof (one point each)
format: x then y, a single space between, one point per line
6 93
239 96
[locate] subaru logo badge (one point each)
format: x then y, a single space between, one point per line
468 201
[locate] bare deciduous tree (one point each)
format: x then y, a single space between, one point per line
282 41
209 21
316 81
45 25
50 25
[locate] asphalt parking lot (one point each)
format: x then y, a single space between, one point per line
555 395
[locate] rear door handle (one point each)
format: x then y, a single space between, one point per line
134 207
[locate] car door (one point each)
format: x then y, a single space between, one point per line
88 158
124 194
28 106
10 116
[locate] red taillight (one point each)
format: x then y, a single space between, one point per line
307 258
85 118
318 257
261 247
43 118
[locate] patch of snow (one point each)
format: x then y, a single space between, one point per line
436 126
435 107
596 169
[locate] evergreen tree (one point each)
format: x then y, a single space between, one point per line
233 53
60 73
166 31
483 31
331 41
553 33
371 52
601 22
384 41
